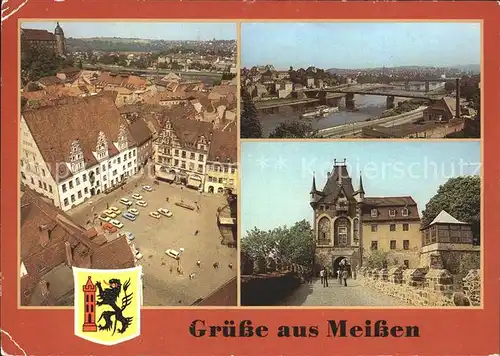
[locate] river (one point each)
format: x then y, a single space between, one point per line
368 106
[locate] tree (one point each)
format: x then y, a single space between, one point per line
289 244
80 64
250 125
294 129
38 62
461 198
377 259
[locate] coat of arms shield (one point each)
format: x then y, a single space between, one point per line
108 304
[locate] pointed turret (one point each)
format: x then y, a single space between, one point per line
360 194
313 189
361 189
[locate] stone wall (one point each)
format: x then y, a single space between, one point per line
422 286
268 289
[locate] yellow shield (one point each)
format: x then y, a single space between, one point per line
108 304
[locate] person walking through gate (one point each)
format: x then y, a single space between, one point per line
339 275
322 276
325 277
344 277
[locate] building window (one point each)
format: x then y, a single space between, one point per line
104 168
70 183
392 213
115 172
404 212
183 155
43 172
86 190
124 157
123 167
44 185
66 202
104 177
129 164
226 169
393 244
200 158
84 177
183 165
77 180
406 263
342 232
192 156
22 175
97 170
232 170
133 152
119 160
176 163
406 244
72 198
374 228
405 227
176 153
39 183
109 165
374 245
50 188
392 227
79 194
374 213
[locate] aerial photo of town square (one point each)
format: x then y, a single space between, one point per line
361 223
129 157
361 80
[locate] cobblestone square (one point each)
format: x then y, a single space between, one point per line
163 285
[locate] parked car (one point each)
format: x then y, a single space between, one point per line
141 203
109 227
165 212
137 196
129 216
155 215
115 210
126 202
127 234
138 255
104 217
147 188
173 253
116 223
109 213
133 211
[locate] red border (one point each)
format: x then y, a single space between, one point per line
166 332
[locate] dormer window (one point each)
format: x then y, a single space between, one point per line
374 213
404 212
392 213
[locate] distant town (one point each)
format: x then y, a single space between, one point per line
128 157
392 102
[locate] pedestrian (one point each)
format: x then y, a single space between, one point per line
216 265
171 269
191 276
196 232
344 277
198 263
325 277
322 276
197 207
167 199
339 275
231 265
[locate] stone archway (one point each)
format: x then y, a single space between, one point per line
337 264
211 189
220 190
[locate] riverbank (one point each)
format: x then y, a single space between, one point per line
354 128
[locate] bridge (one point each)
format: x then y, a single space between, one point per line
390 91
277 103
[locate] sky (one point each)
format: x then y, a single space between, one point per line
351 45
143 30
277 177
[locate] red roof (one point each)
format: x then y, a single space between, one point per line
29 34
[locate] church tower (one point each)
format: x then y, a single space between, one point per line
60 41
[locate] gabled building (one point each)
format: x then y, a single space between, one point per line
76 149
222 163
349 226
52 243
181 151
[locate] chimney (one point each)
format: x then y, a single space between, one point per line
457 99
69 256
44 287
44 235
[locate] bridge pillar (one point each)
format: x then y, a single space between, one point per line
322 97
426 86
349 101
407 85
390 102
